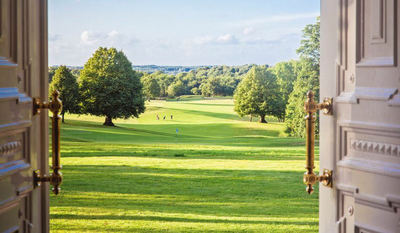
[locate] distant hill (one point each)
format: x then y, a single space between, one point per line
166 69
174 70
151 68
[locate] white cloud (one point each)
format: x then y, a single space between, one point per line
101 38
277 18
113 33
226 39
222 39
248 30
88 37
272 39
203 40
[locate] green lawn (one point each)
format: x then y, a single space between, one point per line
219 173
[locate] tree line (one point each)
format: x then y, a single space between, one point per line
108 86
206 81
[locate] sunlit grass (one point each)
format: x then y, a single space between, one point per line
219 173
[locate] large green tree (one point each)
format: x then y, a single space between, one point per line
65 82
257 94
286 74
307 79
109 87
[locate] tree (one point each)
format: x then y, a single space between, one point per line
75 71
176 89
151 88
286 74
164 81
52 71
195 91
64 82
257 93
309 45
307 79
109 87
212 87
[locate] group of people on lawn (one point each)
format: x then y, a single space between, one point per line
164 117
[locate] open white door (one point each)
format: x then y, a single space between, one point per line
23 137
361 141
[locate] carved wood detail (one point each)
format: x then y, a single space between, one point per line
367 137
375 147
10 148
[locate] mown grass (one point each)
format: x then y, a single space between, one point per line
219 173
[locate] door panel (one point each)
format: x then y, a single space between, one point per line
23 137
361 142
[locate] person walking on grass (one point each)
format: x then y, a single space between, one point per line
172 117
164 117
158 118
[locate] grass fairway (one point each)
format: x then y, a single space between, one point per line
219 173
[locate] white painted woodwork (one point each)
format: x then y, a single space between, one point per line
361 141
23 137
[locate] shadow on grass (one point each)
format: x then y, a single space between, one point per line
168 152
182 155
192 191
176 219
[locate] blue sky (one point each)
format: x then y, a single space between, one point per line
179 32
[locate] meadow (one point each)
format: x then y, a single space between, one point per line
205 170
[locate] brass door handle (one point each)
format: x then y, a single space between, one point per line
55 106
310 106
